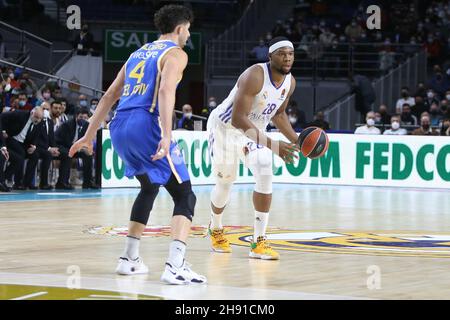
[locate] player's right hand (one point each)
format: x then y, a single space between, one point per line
83 143
163 149
287 151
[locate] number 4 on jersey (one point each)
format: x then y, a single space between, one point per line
138 72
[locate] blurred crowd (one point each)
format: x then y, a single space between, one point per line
321 29
37 128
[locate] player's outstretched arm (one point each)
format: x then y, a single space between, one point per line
173 65
281 120
105 104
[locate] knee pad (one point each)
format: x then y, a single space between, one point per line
221 194
143 204
185 204
259 161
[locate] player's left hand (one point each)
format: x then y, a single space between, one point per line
163 149
82 144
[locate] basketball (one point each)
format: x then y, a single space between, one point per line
313 142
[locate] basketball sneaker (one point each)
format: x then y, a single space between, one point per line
181 275
261 249
219 243
129 267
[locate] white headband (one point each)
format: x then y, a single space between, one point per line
280 44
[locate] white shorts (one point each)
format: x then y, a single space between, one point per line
228 146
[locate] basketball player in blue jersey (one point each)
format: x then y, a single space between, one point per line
141 133
237 132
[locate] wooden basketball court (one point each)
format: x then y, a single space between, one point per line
335 243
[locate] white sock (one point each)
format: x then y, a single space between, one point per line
131 248
260 226
216 221
177 249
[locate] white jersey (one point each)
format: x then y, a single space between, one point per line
266 103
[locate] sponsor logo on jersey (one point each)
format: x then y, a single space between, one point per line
265 95
403 244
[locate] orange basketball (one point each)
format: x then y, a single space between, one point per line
313 142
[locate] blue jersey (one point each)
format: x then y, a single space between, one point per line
142 77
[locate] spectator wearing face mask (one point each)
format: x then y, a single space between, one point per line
425 128
212 103
435 115
21 130
94 103
430 99
186 122
445 128
369 127
293 119
407 118
406 98
65 136
23 102
395 127
46 149
82 102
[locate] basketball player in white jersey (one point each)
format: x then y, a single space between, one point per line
237 132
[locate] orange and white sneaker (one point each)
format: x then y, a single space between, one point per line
261 249
219 243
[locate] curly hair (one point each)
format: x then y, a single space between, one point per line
170 16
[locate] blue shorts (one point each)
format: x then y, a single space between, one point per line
135 135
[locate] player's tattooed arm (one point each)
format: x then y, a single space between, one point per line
281 120
249 85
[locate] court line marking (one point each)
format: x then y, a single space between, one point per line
158 289
33 295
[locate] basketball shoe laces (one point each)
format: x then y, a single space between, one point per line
218 235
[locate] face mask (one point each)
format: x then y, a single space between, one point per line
11 75
370 122
377 119
83 103
22 103
426 127
430 95
188 115
448 97
395 125
80 122
292 120
46 114
405 94
212 105
46 95
93 106
433 112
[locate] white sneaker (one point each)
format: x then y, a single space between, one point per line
129 267
182 275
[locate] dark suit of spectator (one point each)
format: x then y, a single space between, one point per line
46 140
65 136
22 133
